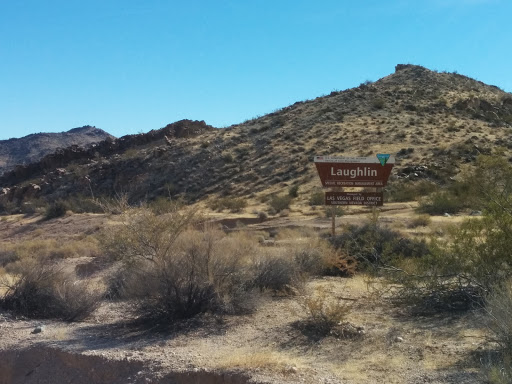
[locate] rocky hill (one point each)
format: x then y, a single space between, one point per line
434 122
32 148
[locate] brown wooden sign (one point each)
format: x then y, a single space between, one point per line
371 199
354 171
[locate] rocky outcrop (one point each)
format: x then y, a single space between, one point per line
105 148
32 148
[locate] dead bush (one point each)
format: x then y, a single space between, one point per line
325 313
47 249
421 221
171 271
42 290
277 273
313 257
498 367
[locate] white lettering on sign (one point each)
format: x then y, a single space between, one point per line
353 173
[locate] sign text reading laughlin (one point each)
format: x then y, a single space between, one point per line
353 173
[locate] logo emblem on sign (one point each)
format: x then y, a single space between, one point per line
383 158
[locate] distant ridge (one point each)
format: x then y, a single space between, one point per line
434 123
33 147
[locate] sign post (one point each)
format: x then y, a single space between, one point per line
333 221
354 172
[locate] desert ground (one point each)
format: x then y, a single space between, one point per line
378 341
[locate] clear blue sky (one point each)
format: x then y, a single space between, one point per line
131 66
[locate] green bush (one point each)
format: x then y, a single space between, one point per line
440 203
317 198
338 211
162 205
54 210
373 245
379 103
420 221
459 272
82 204
233 204
280 203
293 191
409 191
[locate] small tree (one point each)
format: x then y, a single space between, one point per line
460 271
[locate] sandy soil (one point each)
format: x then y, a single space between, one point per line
272 345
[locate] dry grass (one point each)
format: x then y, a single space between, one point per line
269 360
41 289
52 249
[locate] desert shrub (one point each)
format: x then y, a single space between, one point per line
313 257
7 255
460 271
409 191
317 198
293 191
280 203
441 202
82 204
279 274
420 221
373 245
33 206
162 205
56 209
171 272
378 103
8 208
338 211
325 312
498 305
113 205
42 290
233 204
262 216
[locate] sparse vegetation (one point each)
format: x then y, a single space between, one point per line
47 249
173 272
42 290
460 271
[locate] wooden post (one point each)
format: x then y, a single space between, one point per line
333 214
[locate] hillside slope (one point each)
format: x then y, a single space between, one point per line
434 123
33 147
